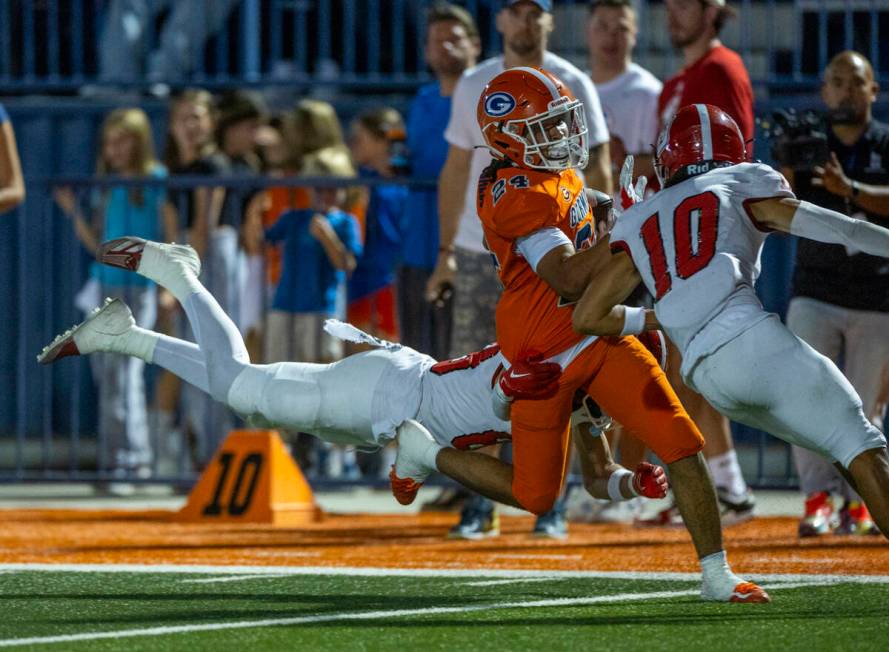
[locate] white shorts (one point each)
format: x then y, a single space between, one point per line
770 379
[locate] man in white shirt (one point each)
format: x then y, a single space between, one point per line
463 262
628 92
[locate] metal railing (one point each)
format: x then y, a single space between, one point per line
63 45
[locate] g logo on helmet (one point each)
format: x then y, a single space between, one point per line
499 104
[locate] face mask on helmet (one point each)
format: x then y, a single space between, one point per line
555 140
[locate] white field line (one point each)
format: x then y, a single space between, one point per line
361 615
512 581
234 578
474 573
507 555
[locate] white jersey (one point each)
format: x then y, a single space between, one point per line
698 250
629 102
456 405
463 130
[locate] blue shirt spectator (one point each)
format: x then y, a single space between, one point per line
309 281
126 216
382 240
428 149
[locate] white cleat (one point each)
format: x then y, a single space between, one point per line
154 260
98 332
410 471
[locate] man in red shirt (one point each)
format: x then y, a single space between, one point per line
712 74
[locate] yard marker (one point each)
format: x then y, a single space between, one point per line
251 479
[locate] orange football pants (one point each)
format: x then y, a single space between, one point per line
625 380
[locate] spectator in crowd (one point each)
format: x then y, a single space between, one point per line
452 46
127 151
377 141
840 302
12 184
629 96
463 262
189 145
321 243
712 74
628 92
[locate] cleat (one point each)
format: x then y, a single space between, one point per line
552 525
855 519
744 592
478 520
410 471
150 259
734 508
749 592
111 320
404 489
820 517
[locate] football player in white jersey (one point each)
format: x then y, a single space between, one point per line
363 400
696 245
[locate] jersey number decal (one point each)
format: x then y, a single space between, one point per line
477 440
690 256
499 188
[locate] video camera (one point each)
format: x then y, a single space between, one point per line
798 140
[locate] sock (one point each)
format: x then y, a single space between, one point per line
717 572
177 278
726 472
137 342
430 454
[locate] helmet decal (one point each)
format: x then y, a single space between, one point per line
706 135
499 104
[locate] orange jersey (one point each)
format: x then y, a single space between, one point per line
516 202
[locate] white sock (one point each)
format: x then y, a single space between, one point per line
177 278
717 572
726 472
430 455
137 342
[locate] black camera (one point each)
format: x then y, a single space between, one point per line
798 140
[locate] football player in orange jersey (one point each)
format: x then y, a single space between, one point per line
541 232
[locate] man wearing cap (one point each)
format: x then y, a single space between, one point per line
463 261
712 74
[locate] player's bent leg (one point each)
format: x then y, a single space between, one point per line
485 475
870 470
415 460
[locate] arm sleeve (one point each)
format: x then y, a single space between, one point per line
535 246
459 131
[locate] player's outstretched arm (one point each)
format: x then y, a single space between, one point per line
598 312
569 272
810 221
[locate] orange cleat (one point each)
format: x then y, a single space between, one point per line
404 489
749 592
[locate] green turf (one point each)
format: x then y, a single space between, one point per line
34 604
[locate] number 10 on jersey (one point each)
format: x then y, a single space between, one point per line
691 254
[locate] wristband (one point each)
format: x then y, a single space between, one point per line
614 481
634 321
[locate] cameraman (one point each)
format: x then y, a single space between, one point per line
841 297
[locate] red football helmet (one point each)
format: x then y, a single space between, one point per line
531 117
698 136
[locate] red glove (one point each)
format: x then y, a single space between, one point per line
530 378
650 481
656 344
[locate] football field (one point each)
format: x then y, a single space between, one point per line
356 609
90 579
